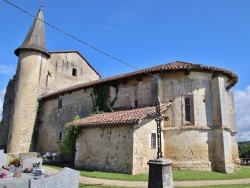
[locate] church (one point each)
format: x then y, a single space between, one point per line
51 87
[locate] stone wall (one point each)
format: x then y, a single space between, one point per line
191 146
142 151
105 149
57 72
7 113
133 90
177 85
52 120
190 149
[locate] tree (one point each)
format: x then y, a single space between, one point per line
244 149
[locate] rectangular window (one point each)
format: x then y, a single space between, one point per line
59 103
134 96
153 140
74 72
135 103
188 110
59 138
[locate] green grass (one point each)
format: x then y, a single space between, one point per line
114 176
177 175
97 186
211 186
196 176
221 186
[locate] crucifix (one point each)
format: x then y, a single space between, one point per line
158 118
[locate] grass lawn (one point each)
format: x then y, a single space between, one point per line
196 176
212 186
222 186
97 186
178 175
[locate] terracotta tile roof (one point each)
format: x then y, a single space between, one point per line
132 116
160 68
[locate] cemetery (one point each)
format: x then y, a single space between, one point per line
30 174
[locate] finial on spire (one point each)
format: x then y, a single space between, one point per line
41 8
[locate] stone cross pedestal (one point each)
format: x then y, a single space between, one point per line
160 173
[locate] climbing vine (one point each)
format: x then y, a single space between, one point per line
67 146
100 98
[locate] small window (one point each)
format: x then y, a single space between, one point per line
59 103
74 72
59 138
188 109
153 140
135 103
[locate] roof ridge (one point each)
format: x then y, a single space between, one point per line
172 66
131 116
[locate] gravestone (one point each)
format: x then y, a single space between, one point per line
29 161
65 178
25 155
3 158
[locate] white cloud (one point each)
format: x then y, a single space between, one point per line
2 93
7 69
242 108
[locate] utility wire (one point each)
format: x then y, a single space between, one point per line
75 38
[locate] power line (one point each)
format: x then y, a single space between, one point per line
75 38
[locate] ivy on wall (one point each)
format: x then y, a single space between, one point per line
100 98
67 146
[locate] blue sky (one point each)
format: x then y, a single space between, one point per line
142 33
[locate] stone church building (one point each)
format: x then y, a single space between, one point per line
51 88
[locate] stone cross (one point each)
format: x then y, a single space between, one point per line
158 118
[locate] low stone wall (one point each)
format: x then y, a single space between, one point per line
105 149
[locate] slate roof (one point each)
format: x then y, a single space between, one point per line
124 117
35 39
174 66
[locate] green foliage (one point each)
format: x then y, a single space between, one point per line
67 146
100 98
244 149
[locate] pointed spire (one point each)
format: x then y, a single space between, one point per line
35 39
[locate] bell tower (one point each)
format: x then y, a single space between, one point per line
32 54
